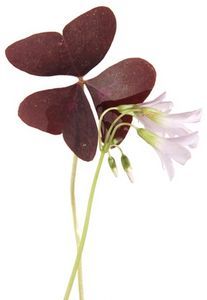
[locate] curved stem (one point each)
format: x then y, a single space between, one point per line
75 222
115 146
100 123
112 126
117 127
85 227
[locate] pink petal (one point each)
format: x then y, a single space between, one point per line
163 106
176 132
190 140
159 104
177 152
186 117
167 164
151 125
157 100
164 129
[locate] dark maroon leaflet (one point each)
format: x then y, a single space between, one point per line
45 110
80 131
129 81
89 37
42 54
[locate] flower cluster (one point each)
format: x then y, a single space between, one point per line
167 133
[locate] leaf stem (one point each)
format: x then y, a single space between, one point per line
85 227
75 222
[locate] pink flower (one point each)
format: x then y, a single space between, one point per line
155 116
170 149
159 104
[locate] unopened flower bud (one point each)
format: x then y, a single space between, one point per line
127 167
112 165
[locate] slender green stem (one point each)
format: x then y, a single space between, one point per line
112 126
115 146
75 222
100 123
117 127
85 227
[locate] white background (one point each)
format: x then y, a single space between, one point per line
146 241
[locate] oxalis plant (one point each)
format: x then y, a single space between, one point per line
118 94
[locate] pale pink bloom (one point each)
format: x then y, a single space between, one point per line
155 116
170 149
170 124
159 104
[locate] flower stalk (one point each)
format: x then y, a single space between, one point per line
85 227
167 148
75 223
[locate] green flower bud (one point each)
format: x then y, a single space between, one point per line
112 165
127 167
